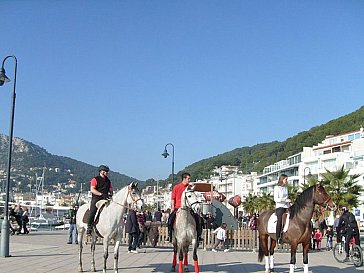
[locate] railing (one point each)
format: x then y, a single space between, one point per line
242 239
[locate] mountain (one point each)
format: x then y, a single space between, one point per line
29 160
257 157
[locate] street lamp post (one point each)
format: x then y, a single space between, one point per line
166 154
309 175
4 246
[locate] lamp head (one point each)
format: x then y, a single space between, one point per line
165 153
3 77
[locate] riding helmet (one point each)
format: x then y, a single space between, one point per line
103 168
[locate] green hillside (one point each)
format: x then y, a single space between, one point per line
257 157
28 160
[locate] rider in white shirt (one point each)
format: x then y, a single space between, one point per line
282 203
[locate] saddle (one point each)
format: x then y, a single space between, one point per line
100 205
272 222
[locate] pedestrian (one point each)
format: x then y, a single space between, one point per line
210 222
12 218
318 238
282 203
253 222
165 216
18 216
336 228
148 216
101 188
73 229
141 224
158 216
329 235
176 204
25 220
220 237
132 228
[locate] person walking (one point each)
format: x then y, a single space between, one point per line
141 223
25 220
282 203
210 222
220 237
158 216
73 229
101 188
176 204
18 216
132 227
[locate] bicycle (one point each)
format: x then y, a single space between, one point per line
355 252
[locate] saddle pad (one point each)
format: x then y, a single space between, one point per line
272 223
86 216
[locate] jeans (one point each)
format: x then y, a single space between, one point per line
70 233
133 240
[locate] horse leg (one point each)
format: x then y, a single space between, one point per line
185 262
306 247
273 244
263 251
106 252
116 255
93 245
180 260
293 257
174 262
195 258
80 247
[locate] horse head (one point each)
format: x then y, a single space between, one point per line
134 196
191 199
322 198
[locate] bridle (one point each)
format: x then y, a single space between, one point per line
188 204
134 200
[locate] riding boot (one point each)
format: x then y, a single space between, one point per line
89 230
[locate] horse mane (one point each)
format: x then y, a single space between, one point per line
301 202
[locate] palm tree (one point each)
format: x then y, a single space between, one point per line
249 204
342 188
265 202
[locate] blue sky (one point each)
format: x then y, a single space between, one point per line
112 82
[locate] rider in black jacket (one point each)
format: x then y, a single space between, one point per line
101 188
348 227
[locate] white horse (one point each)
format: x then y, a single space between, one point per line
184 233
110 224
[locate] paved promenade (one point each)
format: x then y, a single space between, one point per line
40 252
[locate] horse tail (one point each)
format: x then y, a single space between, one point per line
260 251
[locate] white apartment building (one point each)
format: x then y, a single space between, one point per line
229 181
331 154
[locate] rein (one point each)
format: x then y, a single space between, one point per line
132 198
189 205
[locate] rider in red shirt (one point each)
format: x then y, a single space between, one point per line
176 204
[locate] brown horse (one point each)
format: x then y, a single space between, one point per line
299 229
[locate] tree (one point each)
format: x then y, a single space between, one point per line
342 188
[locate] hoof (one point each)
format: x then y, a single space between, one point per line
173 269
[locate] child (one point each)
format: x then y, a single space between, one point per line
318 238
220 237
329 236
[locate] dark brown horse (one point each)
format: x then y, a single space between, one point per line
299 229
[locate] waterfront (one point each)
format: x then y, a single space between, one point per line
41 252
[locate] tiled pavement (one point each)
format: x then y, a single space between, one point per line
40 252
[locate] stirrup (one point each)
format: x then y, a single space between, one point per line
89 231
